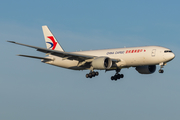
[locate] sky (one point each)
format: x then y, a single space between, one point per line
30 89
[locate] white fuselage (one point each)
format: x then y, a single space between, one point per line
129 57
143 58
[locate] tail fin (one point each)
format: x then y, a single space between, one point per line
51 42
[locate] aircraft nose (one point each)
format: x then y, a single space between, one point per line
172 56
169 56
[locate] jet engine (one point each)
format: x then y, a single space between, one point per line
102 63
148 69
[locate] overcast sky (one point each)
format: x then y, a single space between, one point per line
31 90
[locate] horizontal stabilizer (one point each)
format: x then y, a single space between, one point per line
11 41
36 57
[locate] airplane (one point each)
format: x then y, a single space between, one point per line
144 58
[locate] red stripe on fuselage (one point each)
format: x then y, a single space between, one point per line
135 51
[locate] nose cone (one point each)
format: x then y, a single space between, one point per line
171 56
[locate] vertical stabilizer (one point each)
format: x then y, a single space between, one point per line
51 42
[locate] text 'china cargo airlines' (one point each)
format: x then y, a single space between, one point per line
144 59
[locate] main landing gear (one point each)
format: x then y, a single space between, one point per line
117 75
92 74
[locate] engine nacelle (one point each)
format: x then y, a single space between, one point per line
102 63
148 69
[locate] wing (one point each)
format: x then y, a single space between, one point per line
65 55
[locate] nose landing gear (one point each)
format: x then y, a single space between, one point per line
161 66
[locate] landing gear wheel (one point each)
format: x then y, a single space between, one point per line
97 73
87 75
161 71
92 74
115 78
122 76
118 76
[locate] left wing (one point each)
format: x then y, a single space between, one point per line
65 55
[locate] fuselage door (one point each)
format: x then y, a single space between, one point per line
153 53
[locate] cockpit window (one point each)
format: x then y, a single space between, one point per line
167 51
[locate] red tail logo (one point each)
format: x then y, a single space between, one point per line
53 44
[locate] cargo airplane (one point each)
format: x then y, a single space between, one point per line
144 59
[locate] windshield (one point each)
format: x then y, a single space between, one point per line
167 51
